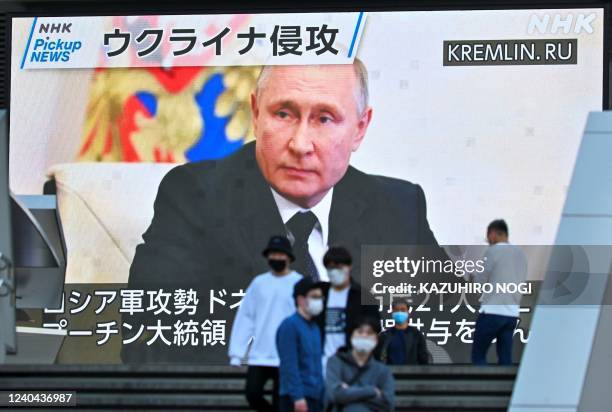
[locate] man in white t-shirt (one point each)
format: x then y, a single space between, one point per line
342 302
267 301
499 312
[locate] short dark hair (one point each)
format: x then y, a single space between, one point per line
337 255
304 286
498 225
364 320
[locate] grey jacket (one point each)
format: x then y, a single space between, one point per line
360 395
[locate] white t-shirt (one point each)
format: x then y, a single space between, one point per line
335 322
505 263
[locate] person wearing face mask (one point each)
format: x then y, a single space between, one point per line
355 380
267 301
298 341
342 302
403 344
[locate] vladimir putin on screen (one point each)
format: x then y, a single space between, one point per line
212 218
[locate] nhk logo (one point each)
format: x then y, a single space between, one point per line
47 49
557 23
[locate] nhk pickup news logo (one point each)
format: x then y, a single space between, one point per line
49 43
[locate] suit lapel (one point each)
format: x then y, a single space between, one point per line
351 222
348 206
255 210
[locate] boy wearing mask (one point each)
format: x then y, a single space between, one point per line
403 344
355 380
342 302
298 341
267 301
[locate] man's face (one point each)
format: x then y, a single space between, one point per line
314 294
302 300
400 307
278 256
365 331
307 124
336 269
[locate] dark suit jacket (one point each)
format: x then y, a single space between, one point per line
212 219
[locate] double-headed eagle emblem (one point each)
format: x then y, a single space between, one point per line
167 115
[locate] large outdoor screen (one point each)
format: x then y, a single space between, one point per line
178 144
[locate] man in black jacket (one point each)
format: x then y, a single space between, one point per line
403 344
212 218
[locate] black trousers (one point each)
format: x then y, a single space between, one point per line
489 327
256 379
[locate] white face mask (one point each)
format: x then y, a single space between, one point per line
363 345
337 276
314 306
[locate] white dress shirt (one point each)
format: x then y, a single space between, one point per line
317 242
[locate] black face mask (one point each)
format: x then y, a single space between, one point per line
277 265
